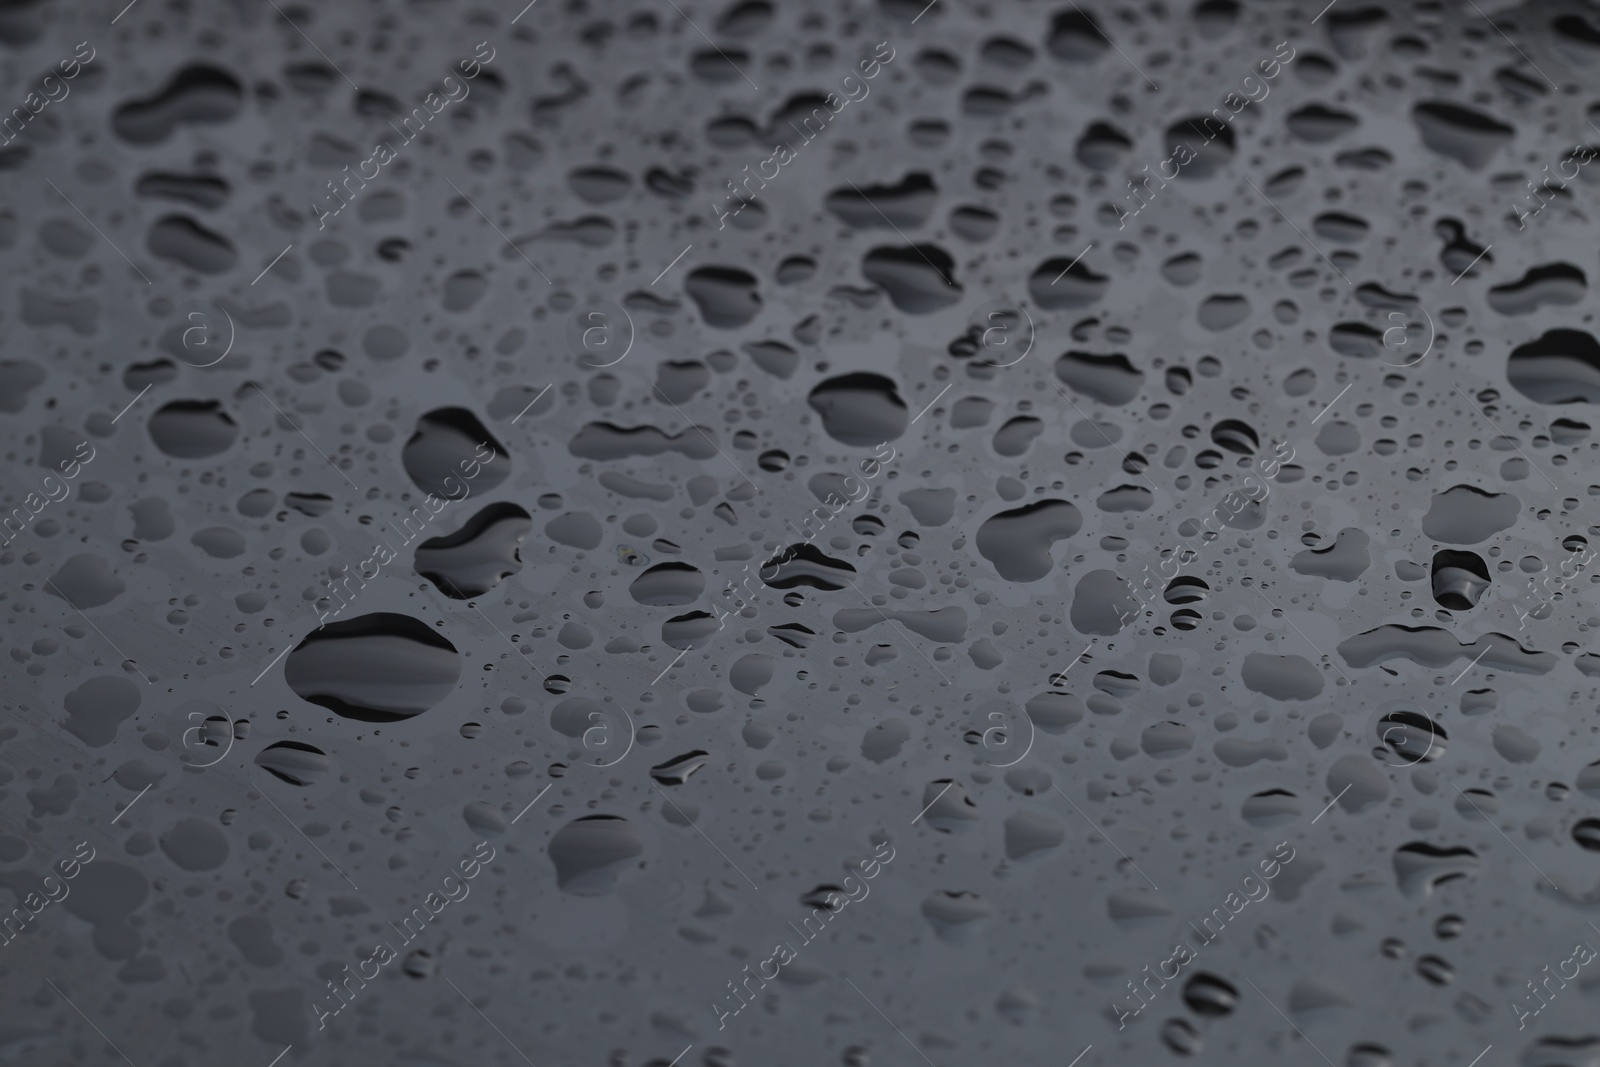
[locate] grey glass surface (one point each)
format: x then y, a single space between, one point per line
864 533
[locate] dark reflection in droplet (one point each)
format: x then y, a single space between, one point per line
1200 146
452 454
745 18
1553 285
1018 541
185 241
1066 282
1459 579
727 297
192 429
1369 1055
476 558
382 667
677 771
589 853
920 279
806 565
903 206
1102 147
1075 37
1559 367
294 762
1236 436
1435 970
1420 868
199 93
1110 379
1181 1037
668 585
1463 134
599 185
1318 124
860 408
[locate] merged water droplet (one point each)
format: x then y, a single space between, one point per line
381 667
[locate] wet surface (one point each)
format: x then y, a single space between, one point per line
868 534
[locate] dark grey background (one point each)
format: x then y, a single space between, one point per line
984 668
